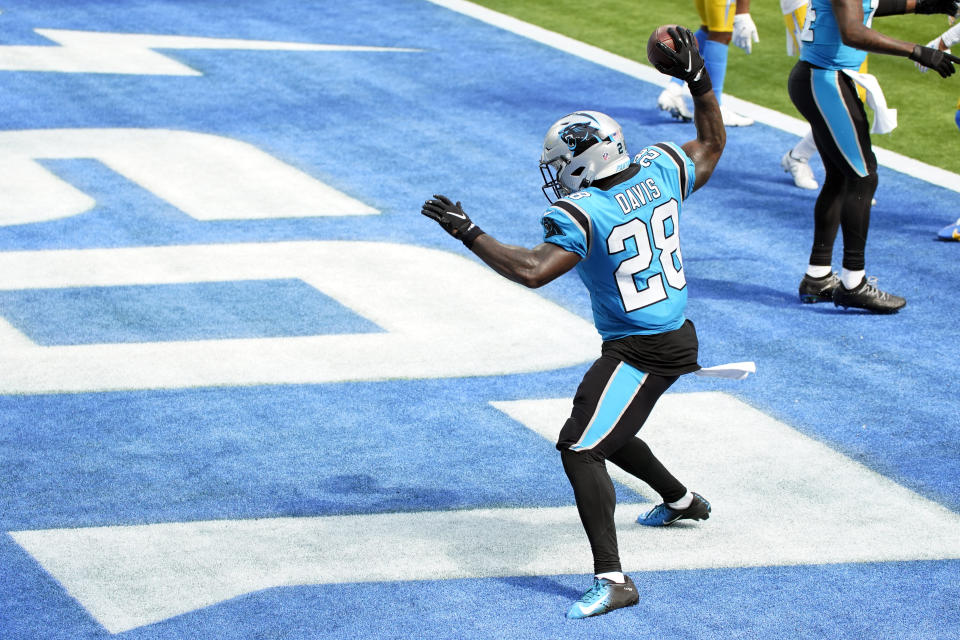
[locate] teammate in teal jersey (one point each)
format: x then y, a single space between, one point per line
836 37
617 222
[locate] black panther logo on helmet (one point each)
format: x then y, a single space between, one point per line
579 137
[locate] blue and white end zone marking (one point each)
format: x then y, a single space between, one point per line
194 444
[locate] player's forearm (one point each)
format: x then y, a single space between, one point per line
859 36
849 15
518 264
706 150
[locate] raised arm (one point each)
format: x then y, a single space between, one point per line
688 65
706 149
530 267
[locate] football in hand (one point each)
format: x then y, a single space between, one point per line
654 54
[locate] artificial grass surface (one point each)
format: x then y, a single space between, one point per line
926 103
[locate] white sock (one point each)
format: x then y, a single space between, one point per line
615 576
804 149
816 271
682 503
851 278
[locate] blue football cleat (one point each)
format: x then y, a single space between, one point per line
604 596
662 515
951 231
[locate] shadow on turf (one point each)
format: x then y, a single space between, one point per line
549 586
731 290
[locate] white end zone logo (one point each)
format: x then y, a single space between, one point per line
207 177
415 295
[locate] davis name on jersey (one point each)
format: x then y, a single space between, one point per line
626 231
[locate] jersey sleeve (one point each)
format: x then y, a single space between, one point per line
674 159
567 226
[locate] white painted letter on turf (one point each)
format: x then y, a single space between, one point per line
132 53
130 576
207 177
442 316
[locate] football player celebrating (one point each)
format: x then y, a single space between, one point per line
616 222
721 22
822 88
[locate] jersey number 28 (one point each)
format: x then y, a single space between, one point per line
653 290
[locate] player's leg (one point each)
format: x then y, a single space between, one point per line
636 458
952 231
819 282
608 409
829 101
838 95
796 162
715 47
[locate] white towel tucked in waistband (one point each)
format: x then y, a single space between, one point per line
884 118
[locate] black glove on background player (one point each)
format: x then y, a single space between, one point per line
452 218
948 7
687 61
940 61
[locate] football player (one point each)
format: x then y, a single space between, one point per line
616 222
943 42
796 161
721 22
822 87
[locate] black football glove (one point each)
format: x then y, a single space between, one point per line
451 217
940 61
687 62
948 7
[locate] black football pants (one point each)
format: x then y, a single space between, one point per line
611 405
828 100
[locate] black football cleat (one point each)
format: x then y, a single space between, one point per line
818 289
867 296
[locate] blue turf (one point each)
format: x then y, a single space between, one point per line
464 117
192 311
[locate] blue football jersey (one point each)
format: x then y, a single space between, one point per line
821 44
628 239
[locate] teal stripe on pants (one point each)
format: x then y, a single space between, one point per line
620 392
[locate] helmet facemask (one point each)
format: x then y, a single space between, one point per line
550 172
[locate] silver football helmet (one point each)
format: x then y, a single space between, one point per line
580 148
